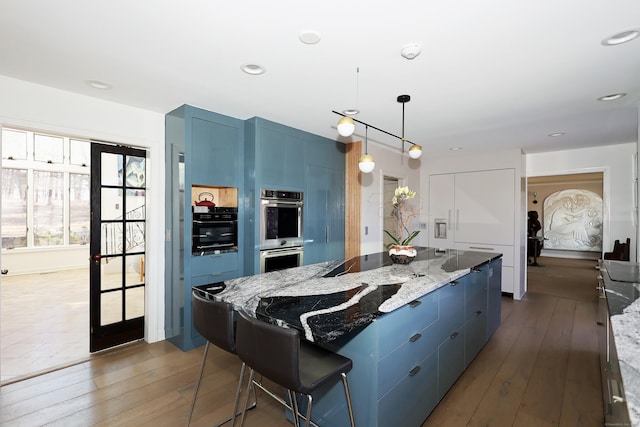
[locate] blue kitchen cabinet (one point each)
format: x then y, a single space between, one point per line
450 360
475 310
279 157
324 214
277 154
215 156
494 296
202 149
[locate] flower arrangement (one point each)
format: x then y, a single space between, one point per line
404 212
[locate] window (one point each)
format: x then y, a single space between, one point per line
48 208
45 190
79 208
48 148
14 208
14 144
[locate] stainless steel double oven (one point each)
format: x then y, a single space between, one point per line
281 241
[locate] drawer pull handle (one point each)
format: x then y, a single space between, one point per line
415 338
454 282
414 371
478 313
476 270
215 274
453 336
481 248
599 323
415 303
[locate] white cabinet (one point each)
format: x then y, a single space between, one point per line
475 211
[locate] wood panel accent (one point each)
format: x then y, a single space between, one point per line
353 200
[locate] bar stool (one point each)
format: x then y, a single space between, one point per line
214 320
280 355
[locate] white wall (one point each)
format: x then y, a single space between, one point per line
617 164
389 162
37 107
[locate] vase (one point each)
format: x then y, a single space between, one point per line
402 254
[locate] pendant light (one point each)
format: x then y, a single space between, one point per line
366 162
347 125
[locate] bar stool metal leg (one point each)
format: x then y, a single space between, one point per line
346 391
195 392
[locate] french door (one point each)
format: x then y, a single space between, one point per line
117 283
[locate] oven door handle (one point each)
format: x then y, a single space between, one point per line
198 221
273 252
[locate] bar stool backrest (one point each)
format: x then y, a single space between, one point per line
271 350
214 320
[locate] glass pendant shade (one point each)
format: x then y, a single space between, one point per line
366 164
346 126
415 151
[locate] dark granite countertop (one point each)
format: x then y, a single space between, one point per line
622 286
331 299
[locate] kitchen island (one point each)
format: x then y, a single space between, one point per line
410 329
619 340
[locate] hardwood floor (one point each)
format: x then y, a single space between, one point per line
540 368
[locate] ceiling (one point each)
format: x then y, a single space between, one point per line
491 75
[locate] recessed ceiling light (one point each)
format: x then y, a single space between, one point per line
556 134
309 37
252 69
96 84
623 37
455 148
612 97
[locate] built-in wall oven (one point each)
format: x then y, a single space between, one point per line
279 259
214 229
281 240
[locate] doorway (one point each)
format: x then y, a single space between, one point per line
45 295
118 217
570 210
389 221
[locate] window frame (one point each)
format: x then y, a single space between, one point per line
31 165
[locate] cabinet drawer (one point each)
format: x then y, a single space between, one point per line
398 326
207 279
475 295
412 400
450 361
475 336
506 251
214 264
451 307
395 365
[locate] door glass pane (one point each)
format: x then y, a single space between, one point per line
48 148
110 273
135 237
111 238
79 209
14 144
135 303
134 270
111 169
136 204
111 308
48 208
14 208
80 152
111 204
135 171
